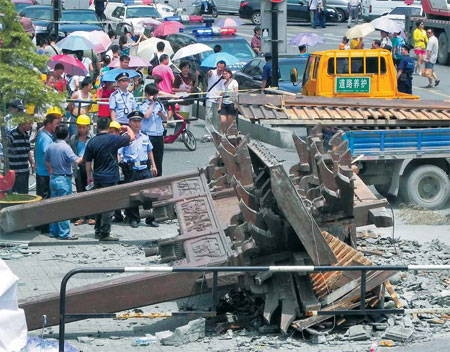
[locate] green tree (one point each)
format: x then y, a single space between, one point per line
20 71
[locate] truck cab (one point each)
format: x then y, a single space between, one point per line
352 73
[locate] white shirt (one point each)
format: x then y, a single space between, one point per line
313 4
433 47
386 41
86 62
354 3
229 94
214 92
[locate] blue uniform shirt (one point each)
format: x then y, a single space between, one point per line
137 152
267 73
122 103
43 141
153 125
61 157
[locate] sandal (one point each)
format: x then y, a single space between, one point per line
91 222
79 222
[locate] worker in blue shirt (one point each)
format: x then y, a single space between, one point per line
122 101
152 124
267 72
405 71
44 140
137 158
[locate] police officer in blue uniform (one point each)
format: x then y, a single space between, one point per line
138 163
122 102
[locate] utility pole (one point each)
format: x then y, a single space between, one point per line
273 32
56 15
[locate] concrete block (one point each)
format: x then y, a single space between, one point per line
398 333
191 332
359 332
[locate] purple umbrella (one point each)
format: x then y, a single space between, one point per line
308 39
229 22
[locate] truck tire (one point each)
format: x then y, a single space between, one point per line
443 49
427 186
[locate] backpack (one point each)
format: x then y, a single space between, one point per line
155 60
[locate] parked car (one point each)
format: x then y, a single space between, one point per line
341 7
250 76
228 6
80 20
126 17
232 44
42 18
297 11
19 5
165 10
399 14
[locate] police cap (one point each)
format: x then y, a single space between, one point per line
135 115
122 75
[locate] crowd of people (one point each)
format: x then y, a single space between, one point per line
425 49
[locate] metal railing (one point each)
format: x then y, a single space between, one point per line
215 270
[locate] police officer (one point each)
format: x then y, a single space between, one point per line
405 71
135 161
122 102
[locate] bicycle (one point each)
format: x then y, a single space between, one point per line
181 129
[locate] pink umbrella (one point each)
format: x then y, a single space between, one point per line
167 28
150 22
135 61
71 65
100 39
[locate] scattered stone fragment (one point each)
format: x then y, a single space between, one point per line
436 321
398 333
358 332
269 329
191 332
318 339
85 339
227 336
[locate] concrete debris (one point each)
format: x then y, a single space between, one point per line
85 339
415 215
318 339
358 332
191 332
398 333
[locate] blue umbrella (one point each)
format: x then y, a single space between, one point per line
74 43
308 39
110 76
211 60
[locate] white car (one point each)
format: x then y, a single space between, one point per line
127 17
166 10
399 13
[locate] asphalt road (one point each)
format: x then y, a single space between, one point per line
333 34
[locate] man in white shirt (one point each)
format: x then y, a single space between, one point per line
432 53
313 4
353 11
215 87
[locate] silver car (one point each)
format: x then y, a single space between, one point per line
341 7
228 6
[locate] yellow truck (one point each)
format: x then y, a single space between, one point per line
351 73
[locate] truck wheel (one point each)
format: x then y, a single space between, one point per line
256 18
443 49
427 186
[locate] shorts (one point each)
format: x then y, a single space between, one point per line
429 65
228 109
420 51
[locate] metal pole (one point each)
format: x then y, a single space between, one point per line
56 6
363 290
274 44
214 290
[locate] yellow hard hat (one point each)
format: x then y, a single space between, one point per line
83 120
114 124
54 110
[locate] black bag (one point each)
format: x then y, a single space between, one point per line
155 60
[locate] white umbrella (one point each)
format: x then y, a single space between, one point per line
192 49
98 38
360 30
147 48
387 25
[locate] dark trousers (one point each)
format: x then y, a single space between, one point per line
103 220
158 152
137 175
81 182
320 18
404 86
21 183
43 190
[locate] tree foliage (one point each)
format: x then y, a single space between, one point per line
20 66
